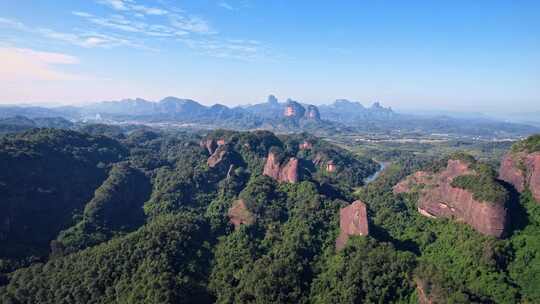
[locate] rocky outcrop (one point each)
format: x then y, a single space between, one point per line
287 172
330 166
313 113
239 214
272 100
294 109
306 145
211 144
322 161
423 296
217 157
439 199
522 170
352 221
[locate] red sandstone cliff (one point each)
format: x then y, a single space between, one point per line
522 170
211 144
439 199
306 145
287 172
352 221
217 157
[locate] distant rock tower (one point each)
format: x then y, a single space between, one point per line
313 113
294 109
272 100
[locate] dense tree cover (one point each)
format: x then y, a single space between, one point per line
163 262
456 264
117 206
530 144
153 226
524 268
46 176
274 260
365 272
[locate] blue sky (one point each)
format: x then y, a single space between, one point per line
450 55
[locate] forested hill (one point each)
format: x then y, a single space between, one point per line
101 216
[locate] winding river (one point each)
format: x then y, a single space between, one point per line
369 179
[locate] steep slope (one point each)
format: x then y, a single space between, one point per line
163 262
46 176
521 166
117 207
464 191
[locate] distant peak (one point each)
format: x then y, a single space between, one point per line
272 99
376 105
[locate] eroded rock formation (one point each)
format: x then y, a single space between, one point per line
352 221
217 157
286 172
312 112
423 296
522 170
240 215
294 109
211 144
306 145
330 166
439 199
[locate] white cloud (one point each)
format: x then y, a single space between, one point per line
129 26
131 5
149 10
10 23
27 64
82 39
245 50
192 24
226 6
120 5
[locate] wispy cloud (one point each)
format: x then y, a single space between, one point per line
131 5
226 6
245 50
84 39
132 24
28 64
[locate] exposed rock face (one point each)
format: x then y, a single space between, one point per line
423 297
352 221
321 161
522 170
272 100
217 157
288 172
313 113
240 215
211 144
294 109
330 166
306 145
439 199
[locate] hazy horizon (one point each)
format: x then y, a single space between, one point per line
460 56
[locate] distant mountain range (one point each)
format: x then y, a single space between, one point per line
342 116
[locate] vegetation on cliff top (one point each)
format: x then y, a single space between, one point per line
530 145
183 248
483 184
